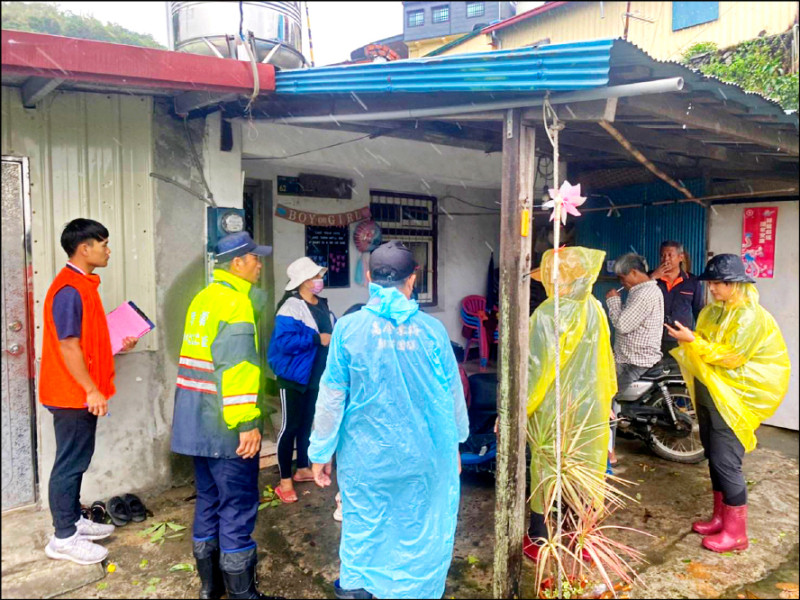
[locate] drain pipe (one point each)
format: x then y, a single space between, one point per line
659 86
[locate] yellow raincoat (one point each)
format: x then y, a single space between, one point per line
740 356
588 378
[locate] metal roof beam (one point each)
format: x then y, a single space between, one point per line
682 111
36 89
690 147
188 101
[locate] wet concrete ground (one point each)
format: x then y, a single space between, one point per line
298 543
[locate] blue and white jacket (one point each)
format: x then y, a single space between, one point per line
295 339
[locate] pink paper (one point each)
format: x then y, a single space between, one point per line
124 322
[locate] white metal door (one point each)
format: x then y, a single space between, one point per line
18 414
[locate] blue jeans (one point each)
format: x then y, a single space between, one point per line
227 501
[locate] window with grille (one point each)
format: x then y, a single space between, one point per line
475 9
441 14
416 18
411 219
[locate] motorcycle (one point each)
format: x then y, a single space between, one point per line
657 409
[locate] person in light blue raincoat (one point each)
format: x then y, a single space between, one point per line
391 406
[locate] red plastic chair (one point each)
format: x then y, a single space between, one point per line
473 315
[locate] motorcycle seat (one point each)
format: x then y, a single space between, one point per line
661 369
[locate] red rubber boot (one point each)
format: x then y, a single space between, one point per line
715 524
530 549
734 531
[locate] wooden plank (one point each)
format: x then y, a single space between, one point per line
684 112
515 263
591 110
687 146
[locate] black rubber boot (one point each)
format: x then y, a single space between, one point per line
206 555
350 594
239 574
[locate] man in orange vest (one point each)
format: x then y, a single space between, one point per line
76 381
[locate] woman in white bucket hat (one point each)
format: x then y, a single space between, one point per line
298 351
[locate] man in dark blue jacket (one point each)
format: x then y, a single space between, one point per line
683 292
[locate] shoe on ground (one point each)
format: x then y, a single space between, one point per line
77 549
93 531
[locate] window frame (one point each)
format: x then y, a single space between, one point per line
416 11
413 230
701 16
441 7
480 14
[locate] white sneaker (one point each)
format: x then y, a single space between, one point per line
93 531
337 514
77 549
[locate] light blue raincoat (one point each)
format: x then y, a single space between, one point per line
392 407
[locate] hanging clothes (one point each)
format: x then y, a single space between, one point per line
739 354
588 378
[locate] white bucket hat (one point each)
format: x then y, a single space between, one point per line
302 269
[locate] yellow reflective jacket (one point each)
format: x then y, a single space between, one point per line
740 356
219 371
588 379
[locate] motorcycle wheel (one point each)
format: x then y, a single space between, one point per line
663 442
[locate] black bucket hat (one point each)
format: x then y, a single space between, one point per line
726 267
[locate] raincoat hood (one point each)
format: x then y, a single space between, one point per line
740 355
390 303
578 269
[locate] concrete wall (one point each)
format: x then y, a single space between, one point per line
132 448
779 295
394 165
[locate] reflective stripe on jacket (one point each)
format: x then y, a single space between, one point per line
218 371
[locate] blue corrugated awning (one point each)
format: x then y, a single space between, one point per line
562 67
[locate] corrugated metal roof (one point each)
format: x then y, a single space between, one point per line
573 66
625 53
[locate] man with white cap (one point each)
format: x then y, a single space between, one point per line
297 354
217 420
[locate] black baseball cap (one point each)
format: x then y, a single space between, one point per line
726 267
391 262
239 244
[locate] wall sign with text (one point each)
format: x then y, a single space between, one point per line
330 247
758 240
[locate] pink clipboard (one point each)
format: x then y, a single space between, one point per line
127 320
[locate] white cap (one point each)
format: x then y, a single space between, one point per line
302 269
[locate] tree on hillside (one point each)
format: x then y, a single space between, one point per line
47 17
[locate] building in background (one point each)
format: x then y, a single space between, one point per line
665 30
429 25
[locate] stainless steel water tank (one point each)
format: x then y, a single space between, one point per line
212 29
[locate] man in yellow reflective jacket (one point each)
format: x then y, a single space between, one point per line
217 420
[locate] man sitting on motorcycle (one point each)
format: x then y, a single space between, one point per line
638 325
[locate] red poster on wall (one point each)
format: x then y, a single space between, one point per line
758 240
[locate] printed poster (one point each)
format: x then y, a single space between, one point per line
758 240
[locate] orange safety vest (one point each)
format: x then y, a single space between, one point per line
57 387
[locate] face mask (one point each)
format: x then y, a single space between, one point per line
317 286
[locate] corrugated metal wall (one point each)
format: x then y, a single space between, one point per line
90 156
643 229
738 21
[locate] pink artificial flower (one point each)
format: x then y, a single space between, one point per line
570 196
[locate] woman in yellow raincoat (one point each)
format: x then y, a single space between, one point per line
737 369
588 382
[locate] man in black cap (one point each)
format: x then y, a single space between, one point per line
217 420
737 367
391 406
